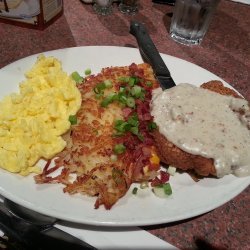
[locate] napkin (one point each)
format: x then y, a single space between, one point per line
105 238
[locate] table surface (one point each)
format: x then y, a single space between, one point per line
225 51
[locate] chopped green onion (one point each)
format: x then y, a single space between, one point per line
134 191
137 92
122 90
119 148
163 190
118 123
130 102
149 84
76 77
134 130
124 79
73 119
152 126
98 89
167 189
122 126
122 98
87 71
133 120
108 83
108 99
132 81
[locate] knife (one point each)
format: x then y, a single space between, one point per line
151 55
36 235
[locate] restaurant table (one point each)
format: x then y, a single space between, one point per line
225 51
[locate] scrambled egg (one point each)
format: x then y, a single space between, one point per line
33 120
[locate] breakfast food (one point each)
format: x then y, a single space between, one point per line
107 131
33 120
203 129
110 145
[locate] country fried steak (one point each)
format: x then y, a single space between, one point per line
172 155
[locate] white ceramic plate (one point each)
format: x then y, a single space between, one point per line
189 198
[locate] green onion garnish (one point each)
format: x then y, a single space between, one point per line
108 83
73 119
149 84
98 89
108 99
124 79
76 77
130 102
134 191
167 188
134 130
133 120
137 92
130 125
122 90
119 148
122 126
152 126
122 98
87 72
163 190
132 81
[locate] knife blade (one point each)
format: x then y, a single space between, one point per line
33 236
151 55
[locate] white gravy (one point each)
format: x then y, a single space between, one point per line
205 123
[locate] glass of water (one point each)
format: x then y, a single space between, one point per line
191 19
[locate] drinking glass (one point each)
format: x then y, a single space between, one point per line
191 19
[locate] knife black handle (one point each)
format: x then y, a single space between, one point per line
14 238
148 49
5 226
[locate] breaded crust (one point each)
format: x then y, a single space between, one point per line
172 155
